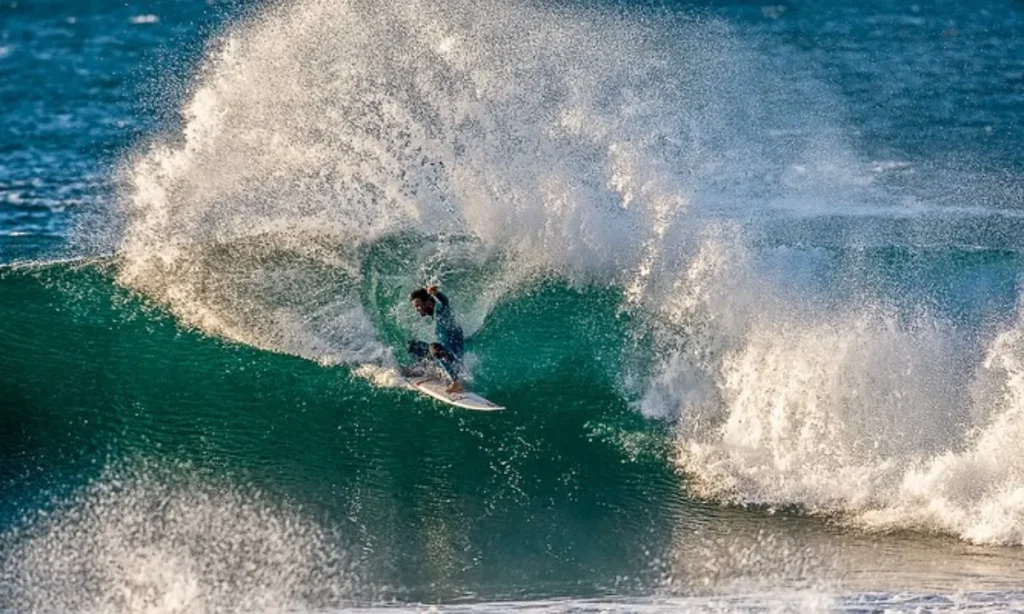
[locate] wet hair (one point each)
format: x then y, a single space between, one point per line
421 294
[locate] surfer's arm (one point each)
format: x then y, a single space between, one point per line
441 298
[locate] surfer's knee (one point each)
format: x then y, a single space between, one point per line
416 348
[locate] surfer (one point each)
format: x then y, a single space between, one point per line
447 350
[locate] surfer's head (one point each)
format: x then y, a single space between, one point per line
422 302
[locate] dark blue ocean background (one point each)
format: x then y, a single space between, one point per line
935 84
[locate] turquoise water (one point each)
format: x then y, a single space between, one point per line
746 276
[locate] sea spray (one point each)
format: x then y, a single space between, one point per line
880 417
146 537
596 149
578 143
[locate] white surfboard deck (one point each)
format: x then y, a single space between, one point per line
434 387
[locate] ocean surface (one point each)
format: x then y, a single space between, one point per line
747 275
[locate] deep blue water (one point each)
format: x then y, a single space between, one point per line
82 85
935 85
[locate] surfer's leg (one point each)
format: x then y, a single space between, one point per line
446 360
418 349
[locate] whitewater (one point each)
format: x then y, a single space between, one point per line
584 160
760 334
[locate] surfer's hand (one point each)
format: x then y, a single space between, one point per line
431 289
455 388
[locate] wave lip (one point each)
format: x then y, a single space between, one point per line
575 142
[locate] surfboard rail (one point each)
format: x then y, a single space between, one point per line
437 389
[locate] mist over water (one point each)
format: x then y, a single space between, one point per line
144 538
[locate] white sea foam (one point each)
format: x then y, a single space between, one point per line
155 540
575 142
605 150
888 419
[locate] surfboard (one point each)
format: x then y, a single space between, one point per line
434 387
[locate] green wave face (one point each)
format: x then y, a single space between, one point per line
142 460
566 488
